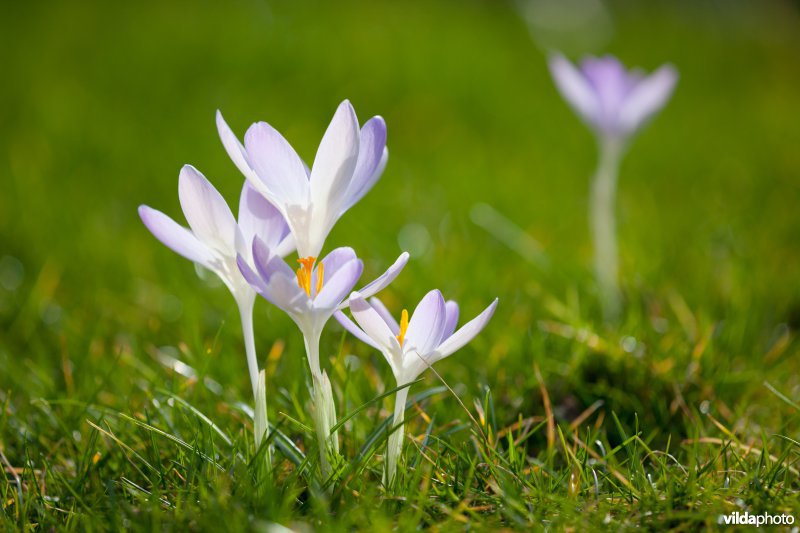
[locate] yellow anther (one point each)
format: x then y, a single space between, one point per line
320 276
403 327
304 273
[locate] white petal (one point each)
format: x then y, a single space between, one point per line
337 287
647 97
258 217
277 165
427 323
382 281
356 331
466 333
452 319
206 211
372 324
179 239
332 171
575 89
372 157
386 315
234 148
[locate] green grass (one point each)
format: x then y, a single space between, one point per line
123 384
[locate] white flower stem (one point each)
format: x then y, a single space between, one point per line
246 314
603 226
324 408
395 445
261 427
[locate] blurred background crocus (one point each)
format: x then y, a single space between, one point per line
614 102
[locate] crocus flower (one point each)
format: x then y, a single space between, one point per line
215 239
615 103
410 346
349 161
310 296
612 100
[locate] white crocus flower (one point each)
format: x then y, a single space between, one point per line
349 161
215 239
411 346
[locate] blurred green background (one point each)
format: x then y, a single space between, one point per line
103 102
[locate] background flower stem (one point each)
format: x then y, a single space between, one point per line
603 225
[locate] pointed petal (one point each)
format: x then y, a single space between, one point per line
356 331
258 217
382 281
206 211
386 315
575 89
372 157
277 165
283 291
647 97
251 276
372 324
461 337
336 259
337 287
332 172
174 236
611 83
235 149
427 323
451 311
268 263
273 279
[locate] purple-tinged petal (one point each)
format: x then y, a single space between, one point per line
268 263
611 83
335 162
372 324
451 311
427 323
466 333
386 315
356 331
259 218
250 276
372 157
174 236
382 281
337 287
574 87
235 149
647 97
206 211
277 165
283 291
336 259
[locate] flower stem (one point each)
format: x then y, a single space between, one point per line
246 314
257 380
324 408
395 445
603 224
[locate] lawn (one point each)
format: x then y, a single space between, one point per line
125 400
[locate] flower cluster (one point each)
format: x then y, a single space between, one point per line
286 206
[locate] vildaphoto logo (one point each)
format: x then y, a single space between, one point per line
758 520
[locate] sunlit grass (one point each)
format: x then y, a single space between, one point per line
124 395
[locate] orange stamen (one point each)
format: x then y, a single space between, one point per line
304 273
403 327
320 276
